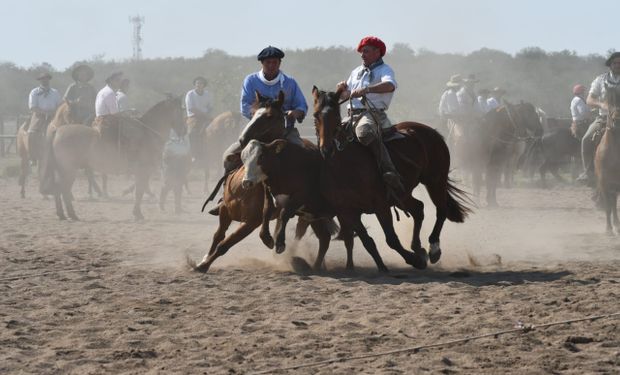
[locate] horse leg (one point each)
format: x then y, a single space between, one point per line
416 209
141 185
162 196
418 258
178 190
58 202
608 210
322 233
354 221
220 233
289 207
543 175
104 185
92 184
439 195
614 210
23 174
268 209
492 180
301 228
68 199
242 232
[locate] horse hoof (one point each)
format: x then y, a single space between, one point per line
434 253
74 217
280 248
419 260
62 217
268 241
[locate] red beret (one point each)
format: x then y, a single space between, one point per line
372 41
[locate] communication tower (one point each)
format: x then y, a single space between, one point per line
136 36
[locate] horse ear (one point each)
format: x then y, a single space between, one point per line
280 100
257 95
277 145
315 93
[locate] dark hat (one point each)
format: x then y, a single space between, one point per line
611 58
44 75
83 67
270 52
113 76
199 78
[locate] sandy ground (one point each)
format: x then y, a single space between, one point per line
107 295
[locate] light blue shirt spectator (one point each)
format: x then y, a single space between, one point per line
293 97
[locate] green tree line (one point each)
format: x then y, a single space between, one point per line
540 77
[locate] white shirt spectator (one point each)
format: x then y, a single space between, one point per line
448 104
492 104
598 88
105 103
122 100
44 99
579 109
467 99
362 77
193 100
482 104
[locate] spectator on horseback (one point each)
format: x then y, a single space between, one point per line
370 88
482 101
467 96
121 96
198 106
495 101
82 94
269 81
449 103
580 112
42 102
106 102
597 98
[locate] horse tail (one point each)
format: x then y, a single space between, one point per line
531 155
214 192
47 181
458 203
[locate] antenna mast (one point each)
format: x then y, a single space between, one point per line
136 36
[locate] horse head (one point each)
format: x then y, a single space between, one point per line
326 119
530 118
67 113
267 121
259 159
167 114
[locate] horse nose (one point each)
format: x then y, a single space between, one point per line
247 184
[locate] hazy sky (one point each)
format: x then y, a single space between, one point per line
63 31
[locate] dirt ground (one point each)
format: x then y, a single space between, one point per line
108 295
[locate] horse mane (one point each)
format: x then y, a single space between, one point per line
61 117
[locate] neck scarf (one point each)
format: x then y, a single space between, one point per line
279 79
365 75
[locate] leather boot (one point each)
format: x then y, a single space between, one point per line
386 167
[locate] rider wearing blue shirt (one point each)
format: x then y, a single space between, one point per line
269 81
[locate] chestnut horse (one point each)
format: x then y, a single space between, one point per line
252 205
352 184
135 147
65 114
221 132
607 160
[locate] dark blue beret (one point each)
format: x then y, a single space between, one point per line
270 52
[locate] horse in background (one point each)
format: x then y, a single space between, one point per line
118 144
66 113
218 135
607 161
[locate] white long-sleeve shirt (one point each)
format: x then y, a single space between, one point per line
106 103
579 110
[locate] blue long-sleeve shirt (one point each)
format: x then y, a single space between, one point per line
293 97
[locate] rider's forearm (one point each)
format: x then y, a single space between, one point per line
380 88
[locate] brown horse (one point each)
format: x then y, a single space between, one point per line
352 185
130 146
607 161
489 146
250 205
221 132
65 114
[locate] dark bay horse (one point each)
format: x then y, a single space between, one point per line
292 174
607 161
498 138
352 185
131 146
